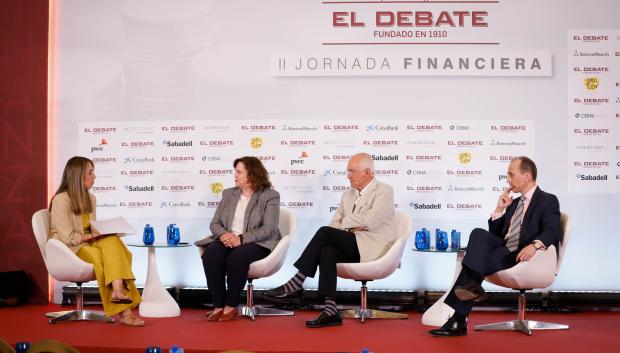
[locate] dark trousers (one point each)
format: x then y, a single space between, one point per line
486 254
328 247
228 267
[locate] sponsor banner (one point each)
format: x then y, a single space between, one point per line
180 168
593 110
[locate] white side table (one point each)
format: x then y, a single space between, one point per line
156 301
439 312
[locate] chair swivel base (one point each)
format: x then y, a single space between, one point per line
364 314
254 311
78 315
525 326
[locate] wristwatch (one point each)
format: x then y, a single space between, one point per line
536 245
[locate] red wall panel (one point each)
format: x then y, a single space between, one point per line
23 136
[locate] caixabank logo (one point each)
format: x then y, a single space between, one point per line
145 159
334 172
592 177
175 204
381 128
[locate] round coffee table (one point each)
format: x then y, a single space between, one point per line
156 301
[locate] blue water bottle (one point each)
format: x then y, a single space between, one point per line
176 349
420 240
176 235
455 240
441 241
170 234
149 235
22 347
427 237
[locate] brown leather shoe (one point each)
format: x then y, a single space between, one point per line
228 316
214 316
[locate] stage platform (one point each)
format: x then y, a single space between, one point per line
590 332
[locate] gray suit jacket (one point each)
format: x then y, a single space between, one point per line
374 211
261 217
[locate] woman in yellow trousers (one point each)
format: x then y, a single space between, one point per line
72 208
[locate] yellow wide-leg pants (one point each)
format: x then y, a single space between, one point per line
111 260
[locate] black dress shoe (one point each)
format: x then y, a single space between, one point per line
325 320
281 296
470 291
452 327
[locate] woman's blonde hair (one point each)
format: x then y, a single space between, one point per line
73 183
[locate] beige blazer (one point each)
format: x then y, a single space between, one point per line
375 211
66 226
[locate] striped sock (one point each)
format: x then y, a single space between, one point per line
295 283
330 307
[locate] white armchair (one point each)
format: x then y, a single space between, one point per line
63 265
377 269
267 267
539 272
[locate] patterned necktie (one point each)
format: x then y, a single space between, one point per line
512 241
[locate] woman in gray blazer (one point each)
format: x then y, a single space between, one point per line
244 229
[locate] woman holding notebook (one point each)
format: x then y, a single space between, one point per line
72 208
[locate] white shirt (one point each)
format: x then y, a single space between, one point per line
237 224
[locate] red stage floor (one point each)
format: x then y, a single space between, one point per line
589 332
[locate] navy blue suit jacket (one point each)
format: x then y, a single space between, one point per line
541 220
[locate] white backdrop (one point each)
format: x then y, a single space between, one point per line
140 66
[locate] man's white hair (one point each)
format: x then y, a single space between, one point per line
366 162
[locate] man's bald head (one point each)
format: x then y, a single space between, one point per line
360 170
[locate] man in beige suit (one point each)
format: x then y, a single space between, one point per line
360 231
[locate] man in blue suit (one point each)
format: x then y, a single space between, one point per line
530 223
